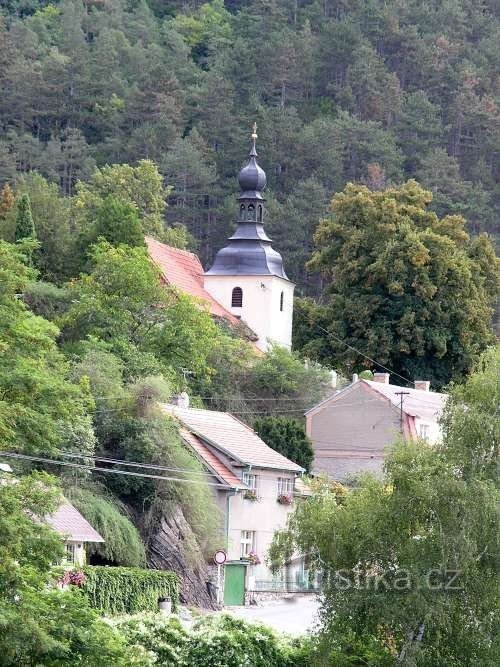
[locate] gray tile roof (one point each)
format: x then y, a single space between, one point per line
68 521
232 437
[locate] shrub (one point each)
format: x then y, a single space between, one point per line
214 641
127 590
122 543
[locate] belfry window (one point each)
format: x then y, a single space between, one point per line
237 298
282 296
242 212
251 212
260 212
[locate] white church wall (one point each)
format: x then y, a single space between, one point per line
261 305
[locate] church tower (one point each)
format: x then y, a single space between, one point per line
247 276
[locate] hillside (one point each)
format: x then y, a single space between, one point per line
374 92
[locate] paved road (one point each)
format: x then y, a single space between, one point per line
296 617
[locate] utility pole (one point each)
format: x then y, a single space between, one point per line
401 394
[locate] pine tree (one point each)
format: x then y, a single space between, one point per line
24 222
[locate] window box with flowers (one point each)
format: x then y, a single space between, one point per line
252 558
251 495
285 498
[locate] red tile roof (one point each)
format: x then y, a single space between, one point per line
232 437
211 460
68 521
183 270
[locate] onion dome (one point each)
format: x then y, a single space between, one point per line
249 251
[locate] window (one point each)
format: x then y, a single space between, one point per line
251 212
70 553
250 480
242 212
285 485
246 542
260 213
282 296
423 431
237 298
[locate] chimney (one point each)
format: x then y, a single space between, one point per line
423 385
333 379
381 377
181 400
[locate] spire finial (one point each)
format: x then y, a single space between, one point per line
253 152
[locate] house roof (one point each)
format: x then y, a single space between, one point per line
426 405
419 403
221 471
183 270
232 437
68 521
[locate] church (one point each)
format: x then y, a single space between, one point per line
246 284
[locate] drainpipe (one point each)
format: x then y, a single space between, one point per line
234 492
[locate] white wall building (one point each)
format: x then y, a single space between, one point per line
255 488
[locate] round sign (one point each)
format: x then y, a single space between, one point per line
220 557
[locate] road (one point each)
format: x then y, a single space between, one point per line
295 616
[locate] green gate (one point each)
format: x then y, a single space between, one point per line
234 584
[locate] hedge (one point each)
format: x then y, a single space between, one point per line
128 590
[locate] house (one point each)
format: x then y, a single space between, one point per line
75 530
351 430
246 284
254 488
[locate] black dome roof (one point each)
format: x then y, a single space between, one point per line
252 177
249 251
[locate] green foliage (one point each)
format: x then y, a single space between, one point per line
374 92
127 590
118 222
24 221
122 543
39 624
140 187
434 514
36 397
430 314
286 436
214 641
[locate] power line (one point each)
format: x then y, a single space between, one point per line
354 349
135 464
111 471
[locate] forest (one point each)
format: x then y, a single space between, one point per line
370 91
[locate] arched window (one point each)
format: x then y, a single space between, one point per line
260 212
237 298
242 212
282 296
251 212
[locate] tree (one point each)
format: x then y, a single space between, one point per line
41 624
286 436
141 186
405 288
118 223
25 229
36 397
55 258
390 547
123 304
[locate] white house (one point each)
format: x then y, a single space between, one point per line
255 493
351 430
76 532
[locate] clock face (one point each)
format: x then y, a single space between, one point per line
220 557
